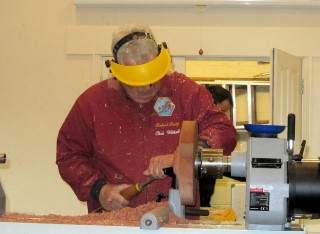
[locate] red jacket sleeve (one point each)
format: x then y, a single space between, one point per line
74 157
214 126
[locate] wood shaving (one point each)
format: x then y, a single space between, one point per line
124 217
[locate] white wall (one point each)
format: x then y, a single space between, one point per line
38 84
313 132
41 77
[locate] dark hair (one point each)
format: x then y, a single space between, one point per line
220 94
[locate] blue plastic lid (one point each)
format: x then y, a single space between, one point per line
264 129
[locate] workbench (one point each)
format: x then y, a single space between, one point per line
37 228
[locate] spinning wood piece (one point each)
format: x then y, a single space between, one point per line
184 158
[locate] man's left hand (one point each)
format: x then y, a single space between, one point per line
156 165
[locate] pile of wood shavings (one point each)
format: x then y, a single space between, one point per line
123 217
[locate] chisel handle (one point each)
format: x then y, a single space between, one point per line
135 189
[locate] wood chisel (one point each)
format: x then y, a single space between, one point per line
130 192
135 189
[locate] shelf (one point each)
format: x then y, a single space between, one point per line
224 79
231 81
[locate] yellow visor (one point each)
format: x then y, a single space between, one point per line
143 74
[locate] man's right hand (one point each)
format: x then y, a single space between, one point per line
110 197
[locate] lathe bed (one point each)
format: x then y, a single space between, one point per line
36 228
116 222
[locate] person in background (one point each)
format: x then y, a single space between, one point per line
125 129
223 99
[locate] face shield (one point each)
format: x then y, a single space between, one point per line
142 74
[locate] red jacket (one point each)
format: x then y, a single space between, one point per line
107 135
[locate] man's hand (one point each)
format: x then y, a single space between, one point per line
156 165
110 197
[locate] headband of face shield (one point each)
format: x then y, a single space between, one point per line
129 37
142 74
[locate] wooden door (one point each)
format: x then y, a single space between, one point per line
286 91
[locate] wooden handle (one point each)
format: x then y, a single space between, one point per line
135 189
130 192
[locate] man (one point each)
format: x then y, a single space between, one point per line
125 129
221 97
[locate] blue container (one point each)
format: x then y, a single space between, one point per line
264 129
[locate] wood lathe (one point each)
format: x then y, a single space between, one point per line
280 187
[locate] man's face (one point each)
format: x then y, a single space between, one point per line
142 94
224 105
